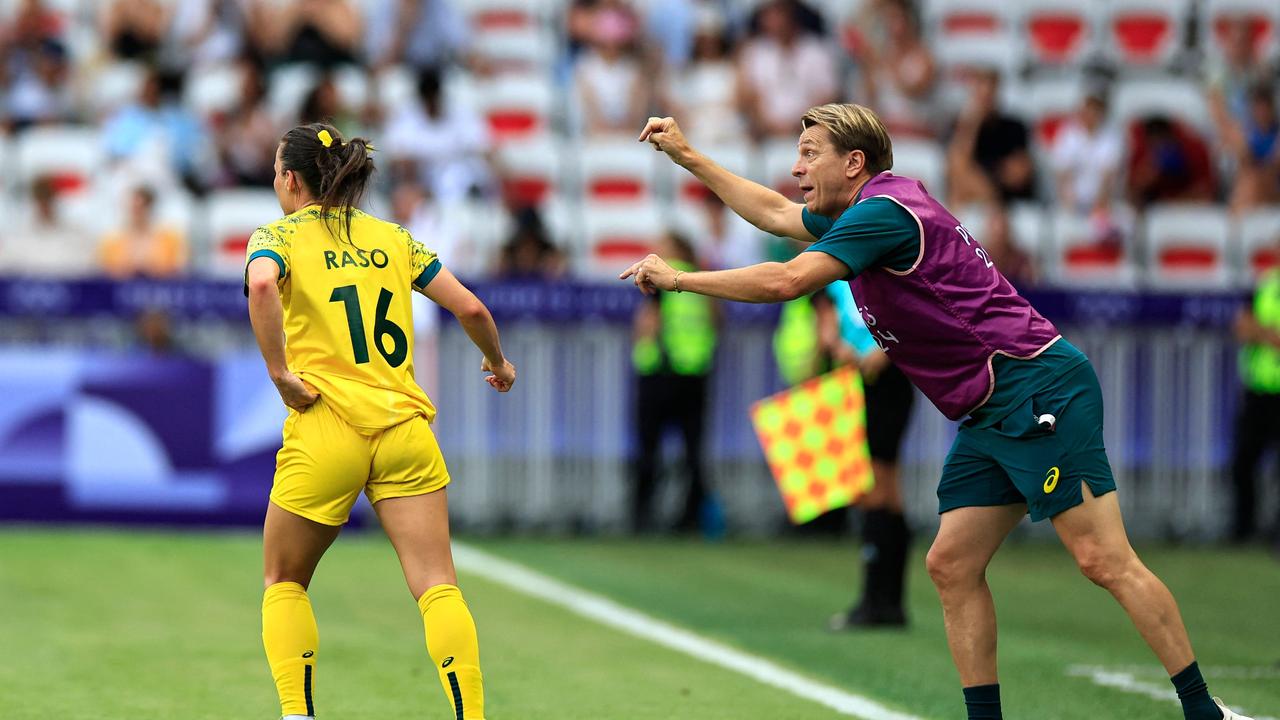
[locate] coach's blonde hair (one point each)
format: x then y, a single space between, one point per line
854 127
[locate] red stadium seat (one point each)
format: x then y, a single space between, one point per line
1145 32
950 20
515 106
231 217
685 187
1087 253
616 170
531 171
1260 238
1262 16
618 235
68 154
1187 246
1057 33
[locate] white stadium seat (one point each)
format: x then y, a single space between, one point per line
922 160
1260 241
231 216
1144 33
777 156
516 49
616 170
1264 21
1047 103
486 15
532 170
213 90
1132 100
616 236
1086 254
734 157
70 154
1188 246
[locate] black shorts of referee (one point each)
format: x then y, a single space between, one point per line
889 401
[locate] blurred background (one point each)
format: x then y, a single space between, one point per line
1119 160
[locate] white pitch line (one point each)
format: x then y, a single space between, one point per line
635 623
1125 681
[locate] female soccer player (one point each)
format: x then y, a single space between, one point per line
328 289
1032 440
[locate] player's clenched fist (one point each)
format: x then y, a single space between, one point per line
651 275
665 136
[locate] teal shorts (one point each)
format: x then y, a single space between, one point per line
1018 460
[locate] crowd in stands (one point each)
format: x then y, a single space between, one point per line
137 137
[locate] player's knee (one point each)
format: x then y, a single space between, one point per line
949 567
1104 568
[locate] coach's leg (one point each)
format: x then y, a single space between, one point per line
418 527
291 547
957 562
1094 533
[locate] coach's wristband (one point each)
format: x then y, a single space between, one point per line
675 281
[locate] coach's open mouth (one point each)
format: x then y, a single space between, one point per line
805 190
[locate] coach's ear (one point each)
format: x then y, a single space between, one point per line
855 161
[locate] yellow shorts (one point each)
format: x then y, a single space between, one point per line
325 463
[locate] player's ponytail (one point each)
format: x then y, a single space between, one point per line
336 171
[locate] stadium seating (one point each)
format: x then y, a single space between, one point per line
213 90
515 106
778 156
951 20
288 86
489 15
1264 20
1026 226
1135 99
231 216
115 84
1144 33
737 158
616 170
1260 241
519 49
616 236
1057 34
1086 252
70 154
532 170
922 160
1047 103
1187 246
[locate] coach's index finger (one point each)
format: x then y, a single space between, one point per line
654 125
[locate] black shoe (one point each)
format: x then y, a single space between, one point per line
864 616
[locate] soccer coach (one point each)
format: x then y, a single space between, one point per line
1031 440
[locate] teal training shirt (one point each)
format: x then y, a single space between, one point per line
881 233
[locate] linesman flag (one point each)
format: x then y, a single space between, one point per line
814 438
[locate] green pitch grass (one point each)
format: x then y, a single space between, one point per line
141 625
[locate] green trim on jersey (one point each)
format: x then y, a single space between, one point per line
876 232
428 274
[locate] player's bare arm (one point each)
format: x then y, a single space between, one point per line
767 209
768 282
266 314
445 291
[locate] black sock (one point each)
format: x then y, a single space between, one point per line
1194 694
875 545
983 702
898 542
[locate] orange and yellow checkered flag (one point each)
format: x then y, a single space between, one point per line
814 438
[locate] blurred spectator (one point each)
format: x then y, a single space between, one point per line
207 32
673 356
1087 154
38 242
670 26
1255 142
248 137
529 254
414 209
418 33
728 241
1230 77
142 247
135 29
154 329
1257 329
1017 266
443 146
323 103
39 88
704 95
612 87
988 158
901 76
156 137
784 71
34 23
1168 163
319 32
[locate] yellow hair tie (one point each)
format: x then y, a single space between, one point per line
325 138
368 149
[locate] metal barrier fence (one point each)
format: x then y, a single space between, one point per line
555 455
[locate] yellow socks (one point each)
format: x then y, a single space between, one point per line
291 640
452 644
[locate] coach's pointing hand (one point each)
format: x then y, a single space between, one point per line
665 136
651 275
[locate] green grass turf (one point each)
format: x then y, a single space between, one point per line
160 625
774 598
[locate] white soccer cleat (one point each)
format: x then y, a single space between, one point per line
298 717
1226 711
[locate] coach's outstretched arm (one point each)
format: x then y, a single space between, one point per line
766 209
768 282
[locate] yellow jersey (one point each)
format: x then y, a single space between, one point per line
347 311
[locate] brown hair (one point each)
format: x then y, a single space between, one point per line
337 175
854 127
